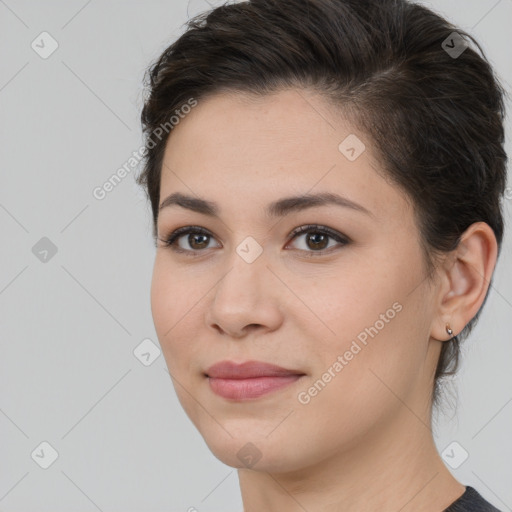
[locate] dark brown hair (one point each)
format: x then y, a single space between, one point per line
435 119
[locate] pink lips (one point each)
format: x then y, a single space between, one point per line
251 379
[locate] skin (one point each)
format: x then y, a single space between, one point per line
364 441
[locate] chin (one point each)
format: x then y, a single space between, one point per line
255 453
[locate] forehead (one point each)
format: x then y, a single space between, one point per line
264 147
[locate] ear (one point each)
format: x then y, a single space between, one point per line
465 277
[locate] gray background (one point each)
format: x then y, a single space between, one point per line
69 326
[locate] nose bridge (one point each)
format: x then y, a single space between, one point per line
248 264
244 296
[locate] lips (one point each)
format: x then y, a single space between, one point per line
249 380
248 370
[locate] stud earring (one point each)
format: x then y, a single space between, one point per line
448 330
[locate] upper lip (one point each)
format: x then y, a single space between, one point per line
247 370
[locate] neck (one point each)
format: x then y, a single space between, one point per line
395 467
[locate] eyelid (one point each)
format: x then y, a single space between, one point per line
342 239
169 240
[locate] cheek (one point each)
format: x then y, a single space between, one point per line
349 307
357 385
161 302
171 293
377 327
166 308
175 306
167 297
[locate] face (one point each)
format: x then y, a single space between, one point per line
344 304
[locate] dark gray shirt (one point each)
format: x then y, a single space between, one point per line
471 501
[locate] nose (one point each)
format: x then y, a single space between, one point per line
246 300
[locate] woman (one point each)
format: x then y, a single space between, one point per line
325 179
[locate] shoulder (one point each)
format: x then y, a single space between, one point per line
471 501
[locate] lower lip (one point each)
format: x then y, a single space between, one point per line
243 389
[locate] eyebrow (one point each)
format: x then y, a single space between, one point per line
278 208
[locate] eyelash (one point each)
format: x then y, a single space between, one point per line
324 230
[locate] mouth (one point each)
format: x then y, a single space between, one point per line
249 380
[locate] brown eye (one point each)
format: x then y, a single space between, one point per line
316 239
197 240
